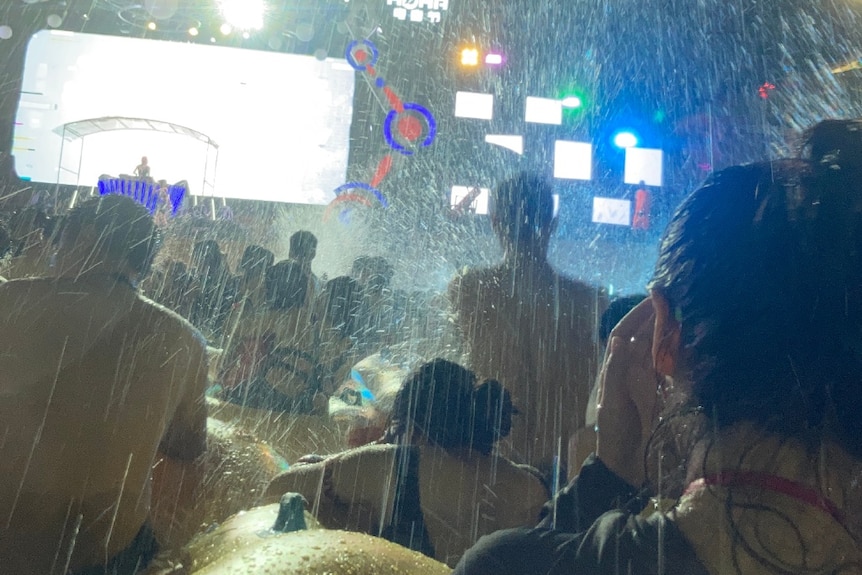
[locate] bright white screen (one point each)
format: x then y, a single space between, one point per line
573 160
474 105
643 165
282 121
543 111
611 211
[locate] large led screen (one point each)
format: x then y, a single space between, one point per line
281 122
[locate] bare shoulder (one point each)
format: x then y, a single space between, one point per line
170 323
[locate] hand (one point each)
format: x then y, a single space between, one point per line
628 400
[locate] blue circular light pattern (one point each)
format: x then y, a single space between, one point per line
362 186
369 48
429 119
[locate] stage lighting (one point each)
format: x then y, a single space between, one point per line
193 31
469 57
571 102
494 59
246 35
625 139
244 14
226 28
151 26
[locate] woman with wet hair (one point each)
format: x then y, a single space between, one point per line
750 346
432 483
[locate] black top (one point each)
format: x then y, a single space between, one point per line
586 541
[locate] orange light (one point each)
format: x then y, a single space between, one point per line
469 57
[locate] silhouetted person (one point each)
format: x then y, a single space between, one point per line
303 250
529 327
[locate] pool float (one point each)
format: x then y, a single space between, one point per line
283 539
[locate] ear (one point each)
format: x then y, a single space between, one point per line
666 336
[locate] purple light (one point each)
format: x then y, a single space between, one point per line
494 59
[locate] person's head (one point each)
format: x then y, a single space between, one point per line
144 160
441 401
255 261
339 303
758 292
303 247
286 285
373 272
112 234
522 213
207 257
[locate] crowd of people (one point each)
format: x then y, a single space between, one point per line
705 426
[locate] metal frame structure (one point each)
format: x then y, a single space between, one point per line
80 129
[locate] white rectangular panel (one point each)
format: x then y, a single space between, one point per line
573 160
612 211
543 111
469 199
474 105
643 165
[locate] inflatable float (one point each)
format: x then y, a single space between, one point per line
283 539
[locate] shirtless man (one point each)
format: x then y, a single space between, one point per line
531 328
94 379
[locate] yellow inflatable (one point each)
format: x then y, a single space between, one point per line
248 544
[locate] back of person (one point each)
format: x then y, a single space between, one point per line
93 380
436 487
531 328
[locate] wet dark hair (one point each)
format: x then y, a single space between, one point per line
522 209
125 230
443 403
256 258
341 300
286 285
761 266
303 245
616 311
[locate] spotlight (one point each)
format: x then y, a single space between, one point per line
494 59
244 14
572 102
625 139
246 35
193 31
226 28
469 57
151 26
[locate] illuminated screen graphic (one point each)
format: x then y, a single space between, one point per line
281 121
408 128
